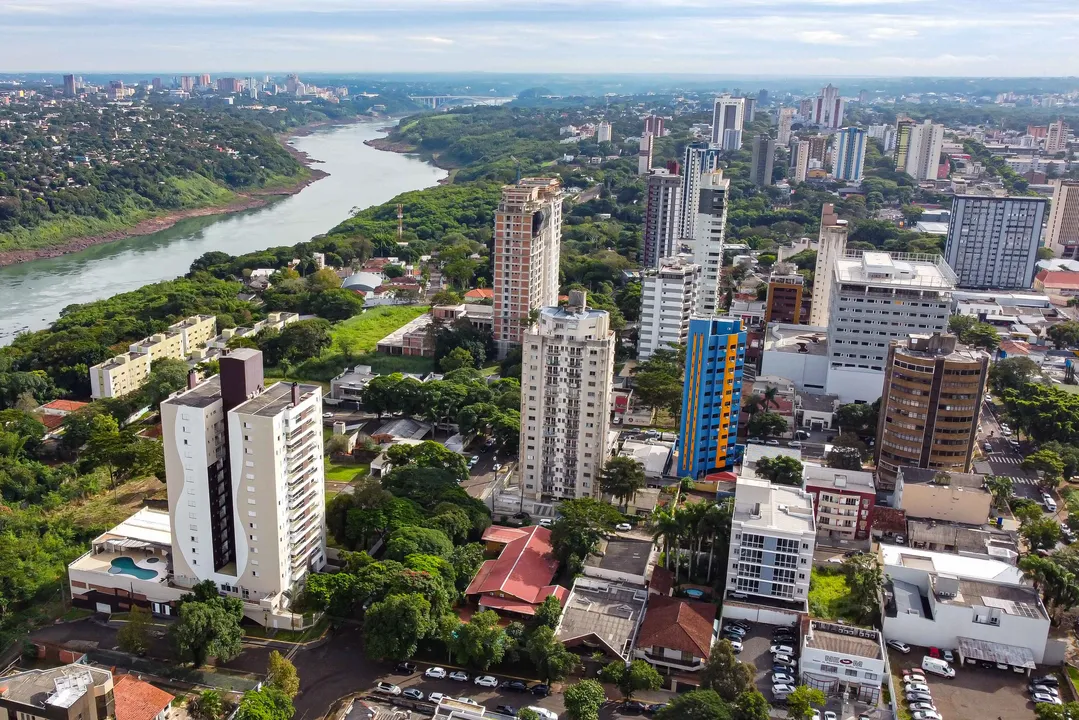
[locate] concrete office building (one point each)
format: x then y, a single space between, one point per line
1056 138
831 245
566 377
773 535
728 117
668 299
925 145
711 396
801 161
993 241
644 155
527 239
843 660
877 298
848 154
710 228
244 469
929 406
662 216
1062 231
698 160
760 169
786 119
828 108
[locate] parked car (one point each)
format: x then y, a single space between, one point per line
783 669
771 442
782 678
486 681
900 539
740 623
787 659
327 414
783 632
916 687
507 710
781 650
459 676
546 522
782 690
412 694
623 527
739 631
541 689
435 698
1050 680
736 646
435 673
634 707
1046 689
473 461
405 668
926 715
987 447
655 708
919 697
795 444
467 700
515 686
386 688
496 467
899 646
923 706
913 677
1049 699
829 715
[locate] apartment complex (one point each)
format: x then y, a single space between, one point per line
567 368
844 500
801 161
1062 231
644 154
668 299
831 245
773 535
929 406
786 119
993 241
924 144
662 216
877 298
603 132
828 108
710 228
126 373
1056 138
527 238
728 117
903 127
848 154
760 168
244 468
711 396
699 159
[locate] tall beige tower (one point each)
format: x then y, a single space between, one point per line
801 161
1056 139
567 370
1062 232
528 232
832 244
709 232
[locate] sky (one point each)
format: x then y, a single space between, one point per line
721 37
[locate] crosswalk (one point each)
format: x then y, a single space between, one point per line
1021 480
1005 459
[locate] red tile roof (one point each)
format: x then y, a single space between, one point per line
523 570
503 534
662 581
480 294
1015 347
1059 279
886 519
64 405
678 625
51 422
507 604
138 700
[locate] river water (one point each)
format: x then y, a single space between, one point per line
33 294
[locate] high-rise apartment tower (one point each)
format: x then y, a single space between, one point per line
662 216
1062 232
993 241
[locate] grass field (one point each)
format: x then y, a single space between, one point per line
828 593
111 507
345 472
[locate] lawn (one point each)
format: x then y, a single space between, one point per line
111 507
359 334
345 472
828 594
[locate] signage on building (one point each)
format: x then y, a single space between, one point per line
836 660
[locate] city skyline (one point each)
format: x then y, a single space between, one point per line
819 37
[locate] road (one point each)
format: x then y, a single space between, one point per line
1003 459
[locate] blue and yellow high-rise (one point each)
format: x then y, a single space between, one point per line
711 395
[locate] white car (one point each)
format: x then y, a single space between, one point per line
926 715
327 414
795 444
914 678
486 681
623 527
783 679
784 660
435 673
546 522
923 706
435 698
1049 699
386 688
1044 690
782 689
898 646
814 714
829 715
459 676
736 646
909 687
781 650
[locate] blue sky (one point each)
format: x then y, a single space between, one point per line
721 37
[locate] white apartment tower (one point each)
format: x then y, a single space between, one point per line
603 132
1062 231
878 297
923 151
709 231
244 469
567 367
728 117
528 233
828 108
698 160
662 216
1056 138
832 244
801 161
644 155
773 535
993 241
668 301
786 119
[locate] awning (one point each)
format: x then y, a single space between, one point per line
1013 655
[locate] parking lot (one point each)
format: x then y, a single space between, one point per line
490 697
974 692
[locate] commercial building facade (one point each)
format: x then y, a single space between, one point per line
843 660
527 240
993 241
1062 230
662 216
711 395
929 406
668 300
941 495
567 367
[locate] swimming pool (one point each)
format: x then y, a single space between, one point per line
127 566
694 593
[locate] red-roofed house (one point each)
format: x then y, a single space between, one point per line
61 407
662 581
477 295
676 635
520 579
1057 282
138 700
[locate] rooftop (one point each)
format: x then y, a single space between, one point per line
622 555
922 476
274 399
951 564
204 394
801 339
977 539
1017 600
818 403
760 504
677 624
65 406
60 686
1014 655
603 612
854 480
895 269
145 526
755 451
523 570
404 428
845 639
938 345
908 598
138 700
653 455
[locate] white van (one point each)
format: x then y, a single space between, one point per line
1049 502
937 667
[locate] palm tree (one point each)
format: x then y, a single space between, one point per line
665 527
694 514
770 397
716 522
752 404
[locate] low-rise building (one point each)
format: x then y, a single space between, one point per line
940 495
653 455
411 339
349 385
843 660
70 692
602 615
845 500
522 576
981 540
622 559
676 637
139 700
815 412
799 353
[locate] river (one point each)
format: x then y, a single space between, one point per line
32 294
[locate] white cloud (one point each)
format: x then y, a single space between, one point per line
821 37
890 33
431 39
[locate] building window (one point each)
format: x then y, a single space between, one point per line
829 669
